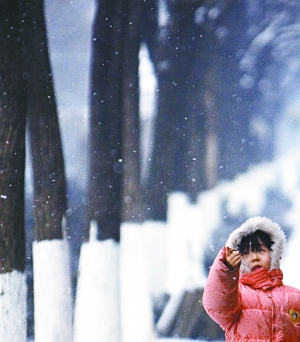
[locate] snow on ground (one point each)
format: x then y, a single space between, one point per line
166 340
181 340
174 340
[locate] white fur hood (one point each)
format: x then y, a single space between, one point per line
269 227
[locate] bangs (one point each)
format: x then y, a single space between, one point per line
253 242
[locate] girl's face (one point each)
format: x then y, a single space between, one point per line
258 259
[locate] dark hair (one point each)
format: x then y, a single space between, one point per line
251 241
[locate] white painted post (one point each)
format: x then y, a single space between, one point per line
13 307
97 305
137 320
52 291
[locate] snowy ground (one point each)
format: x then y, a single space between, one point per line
180 340
168 340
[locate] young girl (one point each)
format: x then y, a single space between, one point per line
244 292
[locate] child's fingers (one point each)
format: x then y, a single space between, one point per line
236 258
233 257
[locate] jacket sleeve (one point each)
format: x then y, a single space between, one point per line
221 295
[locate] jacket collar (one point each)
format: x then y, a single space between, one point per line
263 279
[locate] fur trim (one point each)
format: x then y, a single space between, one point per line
267 226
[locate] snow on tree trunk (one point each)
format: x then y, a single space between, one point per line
97 305
136 313
52 304
13 307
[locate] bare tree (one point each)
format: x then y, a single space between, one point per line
178 159
105 147
12 166
12 135
113 195
51 279
132 208
103 198
45 141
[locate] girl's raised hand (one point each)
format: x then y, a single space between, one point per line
233 258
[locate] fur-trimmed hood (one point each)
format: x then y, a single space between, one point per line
267 226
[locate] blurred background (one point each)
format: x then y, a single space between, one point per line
218 134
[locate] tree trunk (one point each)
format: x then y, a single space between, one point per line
51 259
45 142
132 207
105 146
135 296
177 163
12 166
159 181
12 144
98 284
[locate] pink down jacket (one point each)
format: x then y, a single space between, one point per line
253 307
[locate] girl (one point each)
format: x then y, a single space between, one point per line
244 292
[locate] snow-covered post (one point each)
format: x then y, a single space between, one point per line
137 320
186 241
97 306
13 307
53 307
